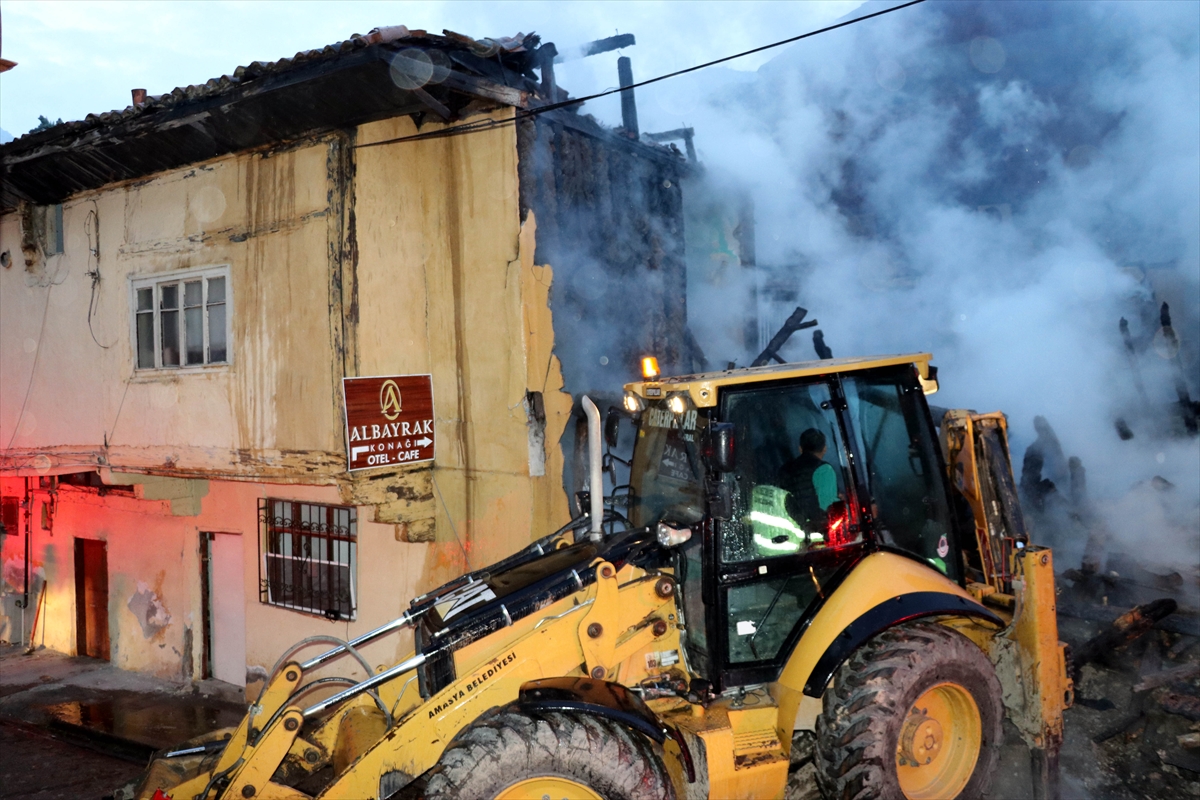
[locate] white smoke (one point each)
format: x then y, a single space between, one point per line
1000 184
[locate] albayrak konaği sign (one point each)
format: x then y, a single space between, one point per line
389 420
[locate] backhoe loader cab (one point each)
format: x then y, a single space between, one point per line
770 546
805 559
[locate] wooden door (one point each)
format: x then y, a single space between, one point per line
91 598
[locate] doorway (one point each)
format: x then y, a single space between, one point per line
223 594
91 598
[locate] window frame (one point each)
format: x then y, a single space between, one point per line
322 531
154 282
50 231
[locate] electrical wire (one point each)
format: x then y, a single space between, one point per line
91 224
108 436
492 124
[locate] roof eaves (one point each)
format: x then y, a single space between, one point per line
257 70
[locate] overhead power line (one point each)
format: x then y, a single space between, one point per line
491 124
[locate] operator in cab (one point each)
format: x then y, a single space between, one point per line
810 481
791 516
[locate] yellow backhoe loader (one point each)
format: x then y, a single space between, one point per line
804 554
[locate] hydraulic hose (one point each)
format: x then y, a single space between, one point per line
342 645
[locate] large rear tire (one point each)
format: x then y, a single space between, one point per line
509 755
914 714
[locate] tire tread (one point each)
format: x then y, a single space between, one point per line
490 753
868 690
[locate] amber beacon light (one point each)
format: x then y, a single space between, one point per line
649 367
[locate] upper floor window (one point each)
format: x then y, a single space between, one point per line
48 228
182 319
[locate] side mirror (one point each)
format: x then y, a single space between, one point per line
612 426
724 452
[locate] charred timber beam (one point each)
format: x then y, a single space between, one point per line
792 324
823 351
1184 705
1166 677
584 125
433 103
1120 726
547 54
1123 630
469 84
1188 409
1131 354
1182 760
686 134
628 103
1092 612
596 47
505 95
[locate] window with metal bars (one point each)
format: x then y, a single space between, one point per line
182 319
308 557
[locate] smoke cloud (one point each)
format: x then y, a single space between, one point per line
999 184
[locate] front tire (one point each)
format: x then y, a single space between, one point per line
509 755
914 714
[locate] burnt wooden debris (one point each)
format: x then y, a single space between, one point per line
1123 630
793 323
1156 680
1185 705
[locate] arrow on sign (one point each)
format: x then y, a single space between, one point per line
424 441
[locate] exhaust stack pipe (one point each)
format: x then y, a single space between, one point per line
595 469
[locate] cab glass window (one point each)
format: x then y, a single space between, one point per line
667 473
894 435
763 614
790 485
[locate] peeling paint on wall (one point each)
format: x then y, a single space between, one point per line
151 614
14 574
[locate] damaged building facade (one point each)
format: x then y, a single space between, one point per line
187 282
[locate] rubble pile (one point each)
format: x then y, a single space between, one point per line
1128 607
1134 731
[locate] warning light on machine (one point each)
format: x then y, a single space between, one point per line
649 367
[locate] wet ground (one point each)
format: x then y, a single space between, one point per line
76 728
36 766
127 719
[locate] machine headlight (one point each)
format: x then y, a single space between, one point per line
677 403
633 403
670 537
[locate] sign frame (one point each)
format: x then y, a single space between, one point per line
426 432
